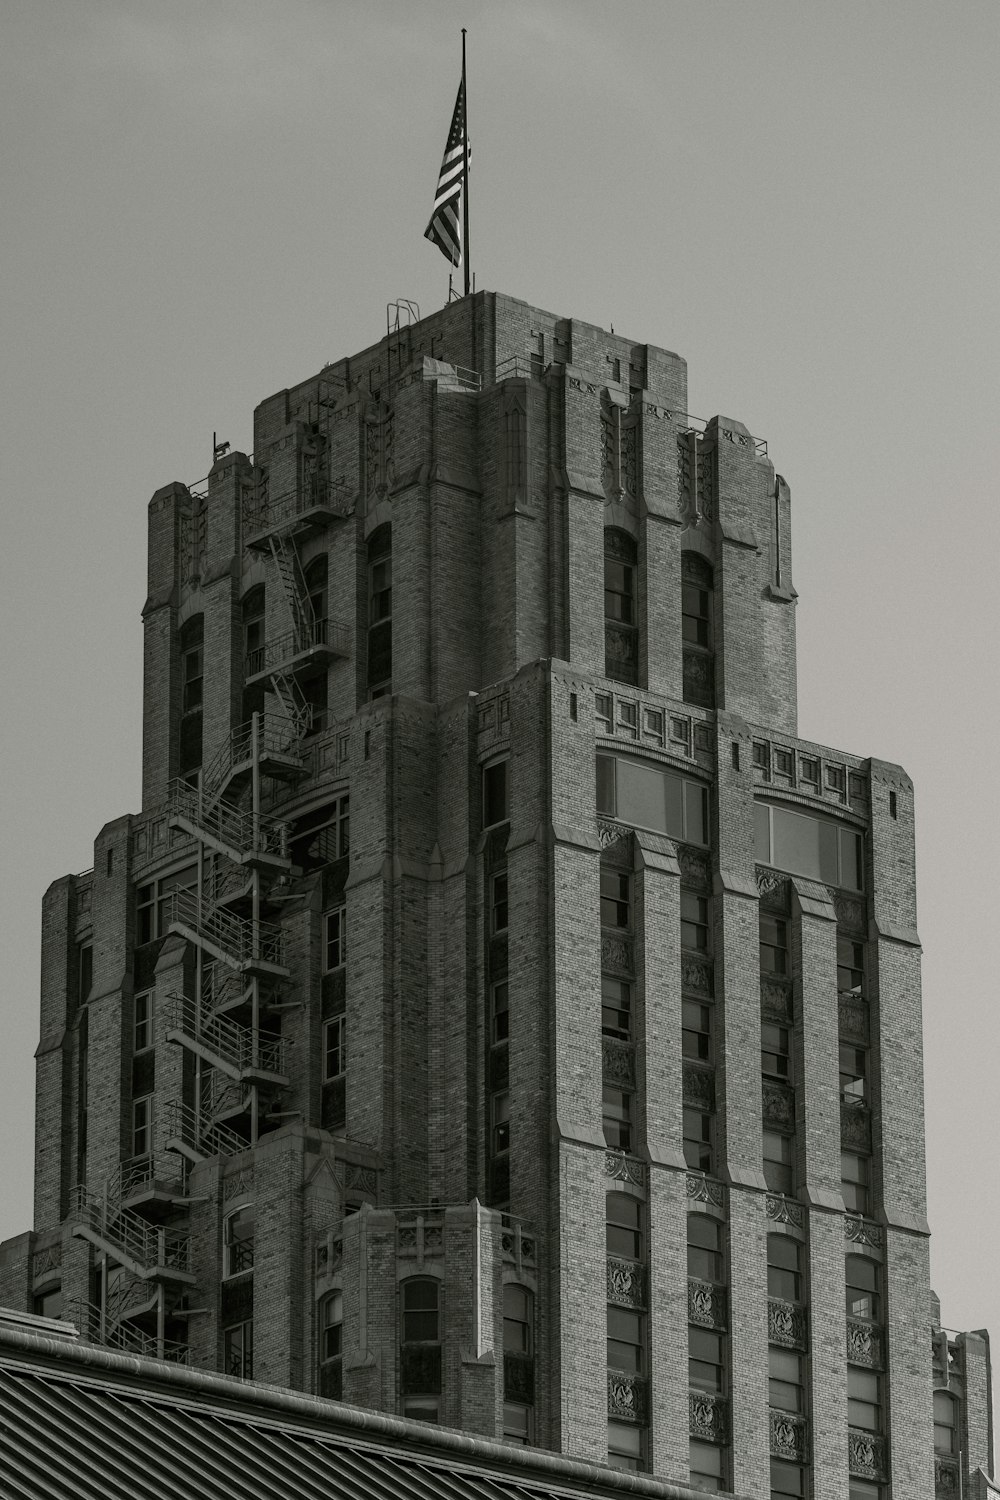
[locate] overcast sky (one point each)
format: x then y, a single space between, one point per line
205 200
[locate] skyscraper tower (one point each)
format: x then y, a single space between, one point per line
496 1013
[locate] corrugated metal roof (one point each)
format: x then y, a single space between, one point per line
76 1422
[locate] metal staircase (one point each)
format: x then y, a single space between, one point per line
147 1250
195 1137
238 1051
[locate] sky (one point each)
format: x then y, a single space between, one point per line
207 200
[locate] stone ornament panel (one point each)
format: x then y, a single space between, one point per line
776 1000
855 1127
707 1304
866 1454
696 976
617 954
864 1344
618 1062
789 1436
852 1019
778 1106
706 1190
786 1324
626 1397
784 1210
695 867
774 888
945 1479
626 1282
699 1087
622 1168
708 1416
863 1231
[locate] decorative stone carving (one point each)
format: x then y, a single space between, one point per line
850 912
407 1237
420 1369
784 1210
786 1323
695 869
776 1000
43 1262
778 1106
852 1018
705 1190
630 457
855 1127
626 1397
863 1231
708 1416
616 838
697 976
789 1438
864 1343
624 1168
773 888
240 1183
621 645
618 1062
706 1303
699 1086
626 1282
433 1239
945 1478
617 953
364 1179
866 1454
698 671
379 434
519 1377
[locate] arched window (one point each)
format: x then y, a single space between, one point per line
697 629
380 612
192 682
420 1349
238 1240
331 1338
945 1423
621 636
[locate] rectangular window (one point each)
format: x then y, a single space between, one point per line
707 1467
334 939
651 796
615 899
238 1350
864 1399
517 1318
517 1422
704 1248
496 795
500 1121
623 1227
804 844
705 1366
155 903
698 1140
603 708
498 903
785 1385
625 1340
850 967
334 1048
421 1409
773 945
788 1481
85 971
625 1447
616 1007
784 1276
778 1161
696 1033
142 1125
855 1181
775 1055
853 1074
499 995
784 763
862 1277
809 772
142 1033
694 922
617 1108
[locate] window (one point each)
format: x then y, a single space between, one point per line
615 899
863 1301
784 1268
237 1240
778 1162
518 1423
775 1058
331 1326
85 971
853 1074
237 1354
850 967
252 610
498 903
650 796
496 795
707 1467
192 665
696 1032
517 1320
421 1408
864 1399
623 1216
315 574
48 1304
698 1140
500 1122
694 921
696 617
334 939
706 1371
315 691
616 1007
945 1439
603 707
142 1125
380 612
697 594
420 1311
855 1175
154 902
804 844
625 1340
809 771
863 1489
621 647
322 836
617 1107
142 1030
499 996
773 945
334 1048
788 1481
785 1384
704 1248
626 1445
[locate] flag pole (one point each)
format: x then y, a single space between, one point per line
465 194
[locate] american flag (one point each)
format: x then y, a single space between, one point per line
445 228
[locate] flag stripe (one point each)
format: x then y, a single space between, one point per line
444 229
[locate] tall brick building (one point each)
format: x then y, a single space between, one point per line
496 1013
